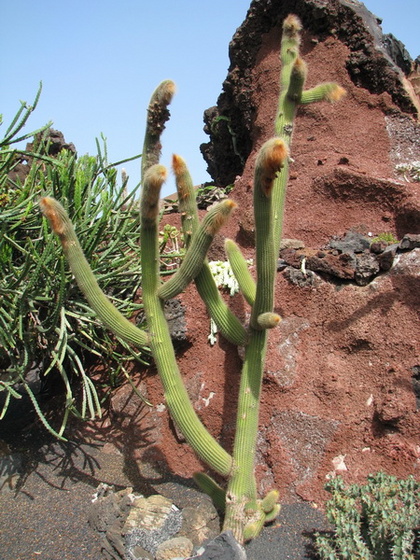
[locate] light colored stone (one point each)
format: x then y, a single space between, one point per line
178 547
148 513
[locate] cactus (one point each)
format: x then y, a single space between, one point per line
375 521
245 512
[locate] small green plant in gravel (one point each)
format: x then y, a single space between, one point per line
245 512
376 521
385 237
46 326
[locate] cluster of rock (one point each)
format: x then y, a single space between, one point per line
134 527
49 142
354 258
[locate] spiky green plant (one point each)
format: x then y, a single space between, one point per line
45 324
245 512
375 521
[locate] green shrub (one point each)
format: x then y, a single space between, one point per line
45 323
386 237
379 520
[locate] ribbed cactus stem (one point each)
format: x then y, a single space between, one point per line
270 160
328 91
297 80
241 271
242 487
286 110
212 489
292 81
157 115
187 205
289 52
103 307
176 396
197 251
269 502
227 323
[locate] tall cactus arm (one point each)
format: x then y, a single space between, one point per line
289 53
176 395
292 94
200 243
187 204
242 506
271 158
157 115
106 311
228 324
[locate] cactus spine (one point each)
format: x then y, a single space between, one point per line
245 513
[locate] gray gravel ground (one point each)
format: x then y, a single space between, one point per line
45 518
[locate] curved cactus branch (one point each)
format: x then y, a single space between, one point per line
212 489
176 395
241 271
157 115
106 311
227 323
197 251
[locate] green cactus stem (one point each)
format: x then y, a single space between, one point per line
197 251
177 399
157 115
227 323
292 81
269 502
271 159
106 311
176 395
323 92
245 514
241 271
242 485
212 489
272 515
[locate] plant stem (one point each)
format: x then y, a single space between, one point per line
176 395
